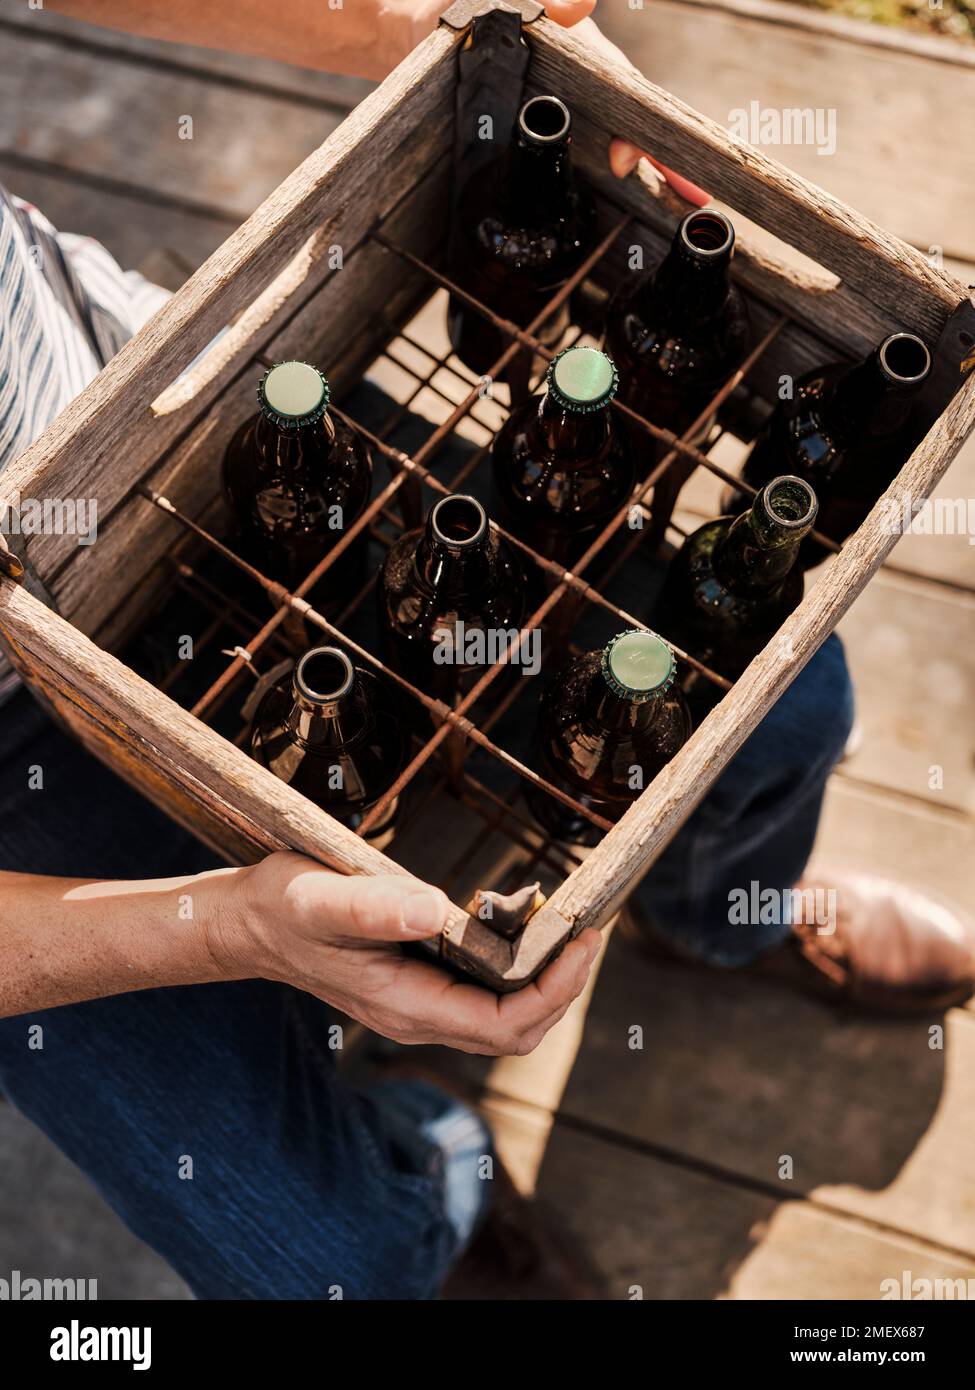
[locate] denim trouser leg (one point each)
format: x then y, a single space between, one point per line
757 824
211 1117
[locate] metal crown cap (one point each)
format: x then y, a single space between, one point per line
582 379
638 665
293 394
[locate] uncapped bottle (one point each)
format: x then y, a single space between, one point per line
607 725
847 430
451 593
735 580
677 333
524 225
330 730
296 480
562 463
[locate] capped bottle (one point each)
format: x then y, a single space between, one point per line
735 580
451 594
524 225
330 730
847 430
607 725
678 333
296 480
562 463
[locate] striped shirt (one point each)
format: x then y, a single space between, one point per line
66 307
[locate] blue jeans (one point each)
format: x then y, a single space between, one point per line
212 1118
757 824
301 1186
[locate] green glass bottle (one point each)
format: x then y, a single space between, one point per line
330 730
562 463
735 580
295 480
607 725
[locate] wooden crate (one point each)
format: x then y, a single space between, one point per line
148 427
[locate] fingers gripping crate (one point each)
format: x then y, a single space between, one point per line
330 268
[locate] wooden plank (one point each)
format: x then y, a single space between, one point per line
589 895
287 237
894 97
235 70
912 657
657 1229
735 1073
862 32
873 262
900 838
949 559
96 113
130 224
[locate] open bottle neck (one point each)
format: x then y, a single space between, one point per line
876 397
694 276
330 708
538 170
452 555
759 548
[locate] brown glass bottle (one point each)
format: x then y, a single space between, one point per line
607 725
451 593
295 481
562 463
847 431
735 580
330 730
523 226
678 333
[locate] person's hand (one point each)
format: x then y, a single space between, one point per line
623 157
338 937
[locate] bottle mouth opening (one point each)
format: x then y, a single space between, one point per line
324 674
459 521
905 358
707 234
544 120
790 502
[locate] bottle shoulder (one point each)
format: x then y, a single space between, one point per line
418 595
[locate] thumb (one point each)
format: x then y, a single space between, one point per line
388 907
569 12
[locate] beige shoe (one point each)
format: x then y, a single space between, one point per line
887 945
870 942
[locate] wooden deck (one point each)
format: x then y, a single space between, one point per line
665 1160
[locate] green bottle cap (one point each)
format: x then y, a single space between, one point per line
293 394
582 379
638 665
